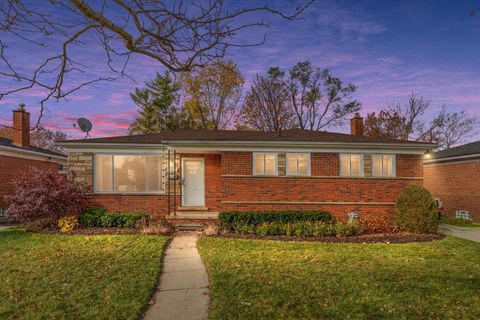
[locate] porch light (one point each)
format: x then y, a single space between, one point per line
427 154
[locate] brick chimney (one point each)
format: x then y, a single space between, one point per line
356 125
21 127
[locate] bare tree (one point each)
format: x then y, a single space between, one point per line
213 93
266 104
318 99
179 36
45 138
408 123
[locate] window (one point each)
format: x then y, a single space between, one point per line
298 164
351 164
128 173
383 165
61 168
265 164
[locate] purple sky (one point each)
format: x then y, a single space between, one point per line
387 48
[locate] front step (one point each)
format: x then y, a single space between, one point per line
189 227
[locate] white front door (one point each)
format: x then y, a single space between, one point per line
193 182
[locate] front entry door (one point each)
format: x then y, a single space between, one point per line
193 189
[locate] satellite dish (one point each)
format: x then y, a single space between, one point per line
85 125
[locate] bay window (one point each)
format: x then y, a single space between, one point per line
351 164
265 164
298 164
383 165
128 173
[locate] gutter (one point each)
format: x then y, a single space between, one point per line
452 159
210 143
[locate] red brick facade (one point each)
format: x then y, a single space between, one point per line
457 185
230 185
12 168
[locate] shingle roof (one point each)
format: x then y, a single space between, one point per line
9 143
247 136
465 150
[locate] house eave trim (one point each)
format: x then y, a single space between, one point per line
242 145
31 155
452 159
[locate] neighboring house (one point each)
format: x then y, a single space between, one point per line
453 177
222 170
18 156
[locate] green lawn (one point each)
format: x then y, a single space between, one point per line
77 277
254 279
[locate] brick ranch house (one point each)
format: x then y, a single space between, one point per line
17 155
453 177
201 172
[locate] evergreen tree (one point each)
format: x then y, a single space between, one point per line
158 107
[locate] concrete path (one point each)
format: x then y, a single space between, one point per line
183 289
465 233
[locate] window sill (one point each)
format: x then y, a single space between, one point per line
106 193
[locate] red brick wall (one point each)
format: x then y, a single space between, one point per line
237 163
152 204
457 185
11 168
223 189
409 165
325 164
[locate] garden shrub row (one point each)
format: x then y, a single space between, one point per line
97 217
300 229
254 218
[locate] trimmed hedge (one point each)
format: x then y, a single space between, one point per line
301 229
254 218
96 217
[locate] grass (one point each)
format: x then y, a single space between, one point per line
254 279
77 277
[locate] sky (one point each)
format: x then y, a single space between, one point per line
388 49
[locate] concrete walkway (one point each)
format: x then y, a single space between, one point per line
183 289
465 233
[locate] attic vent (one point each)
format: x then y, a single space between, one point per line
462 214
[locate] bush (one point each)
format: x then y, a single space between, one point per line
96 217
416 210
67 224
253 218
301 229
91 217
377 223
44 196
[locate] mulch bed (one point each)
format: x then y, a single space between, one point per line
399 237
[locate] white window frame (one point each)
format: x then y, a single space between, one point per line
394 164
113 191
298 174
362 169
255 164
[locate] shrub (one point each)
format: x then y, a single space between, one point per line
45 196
254 218
416 210
67 224
377 223
91 217
96 217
